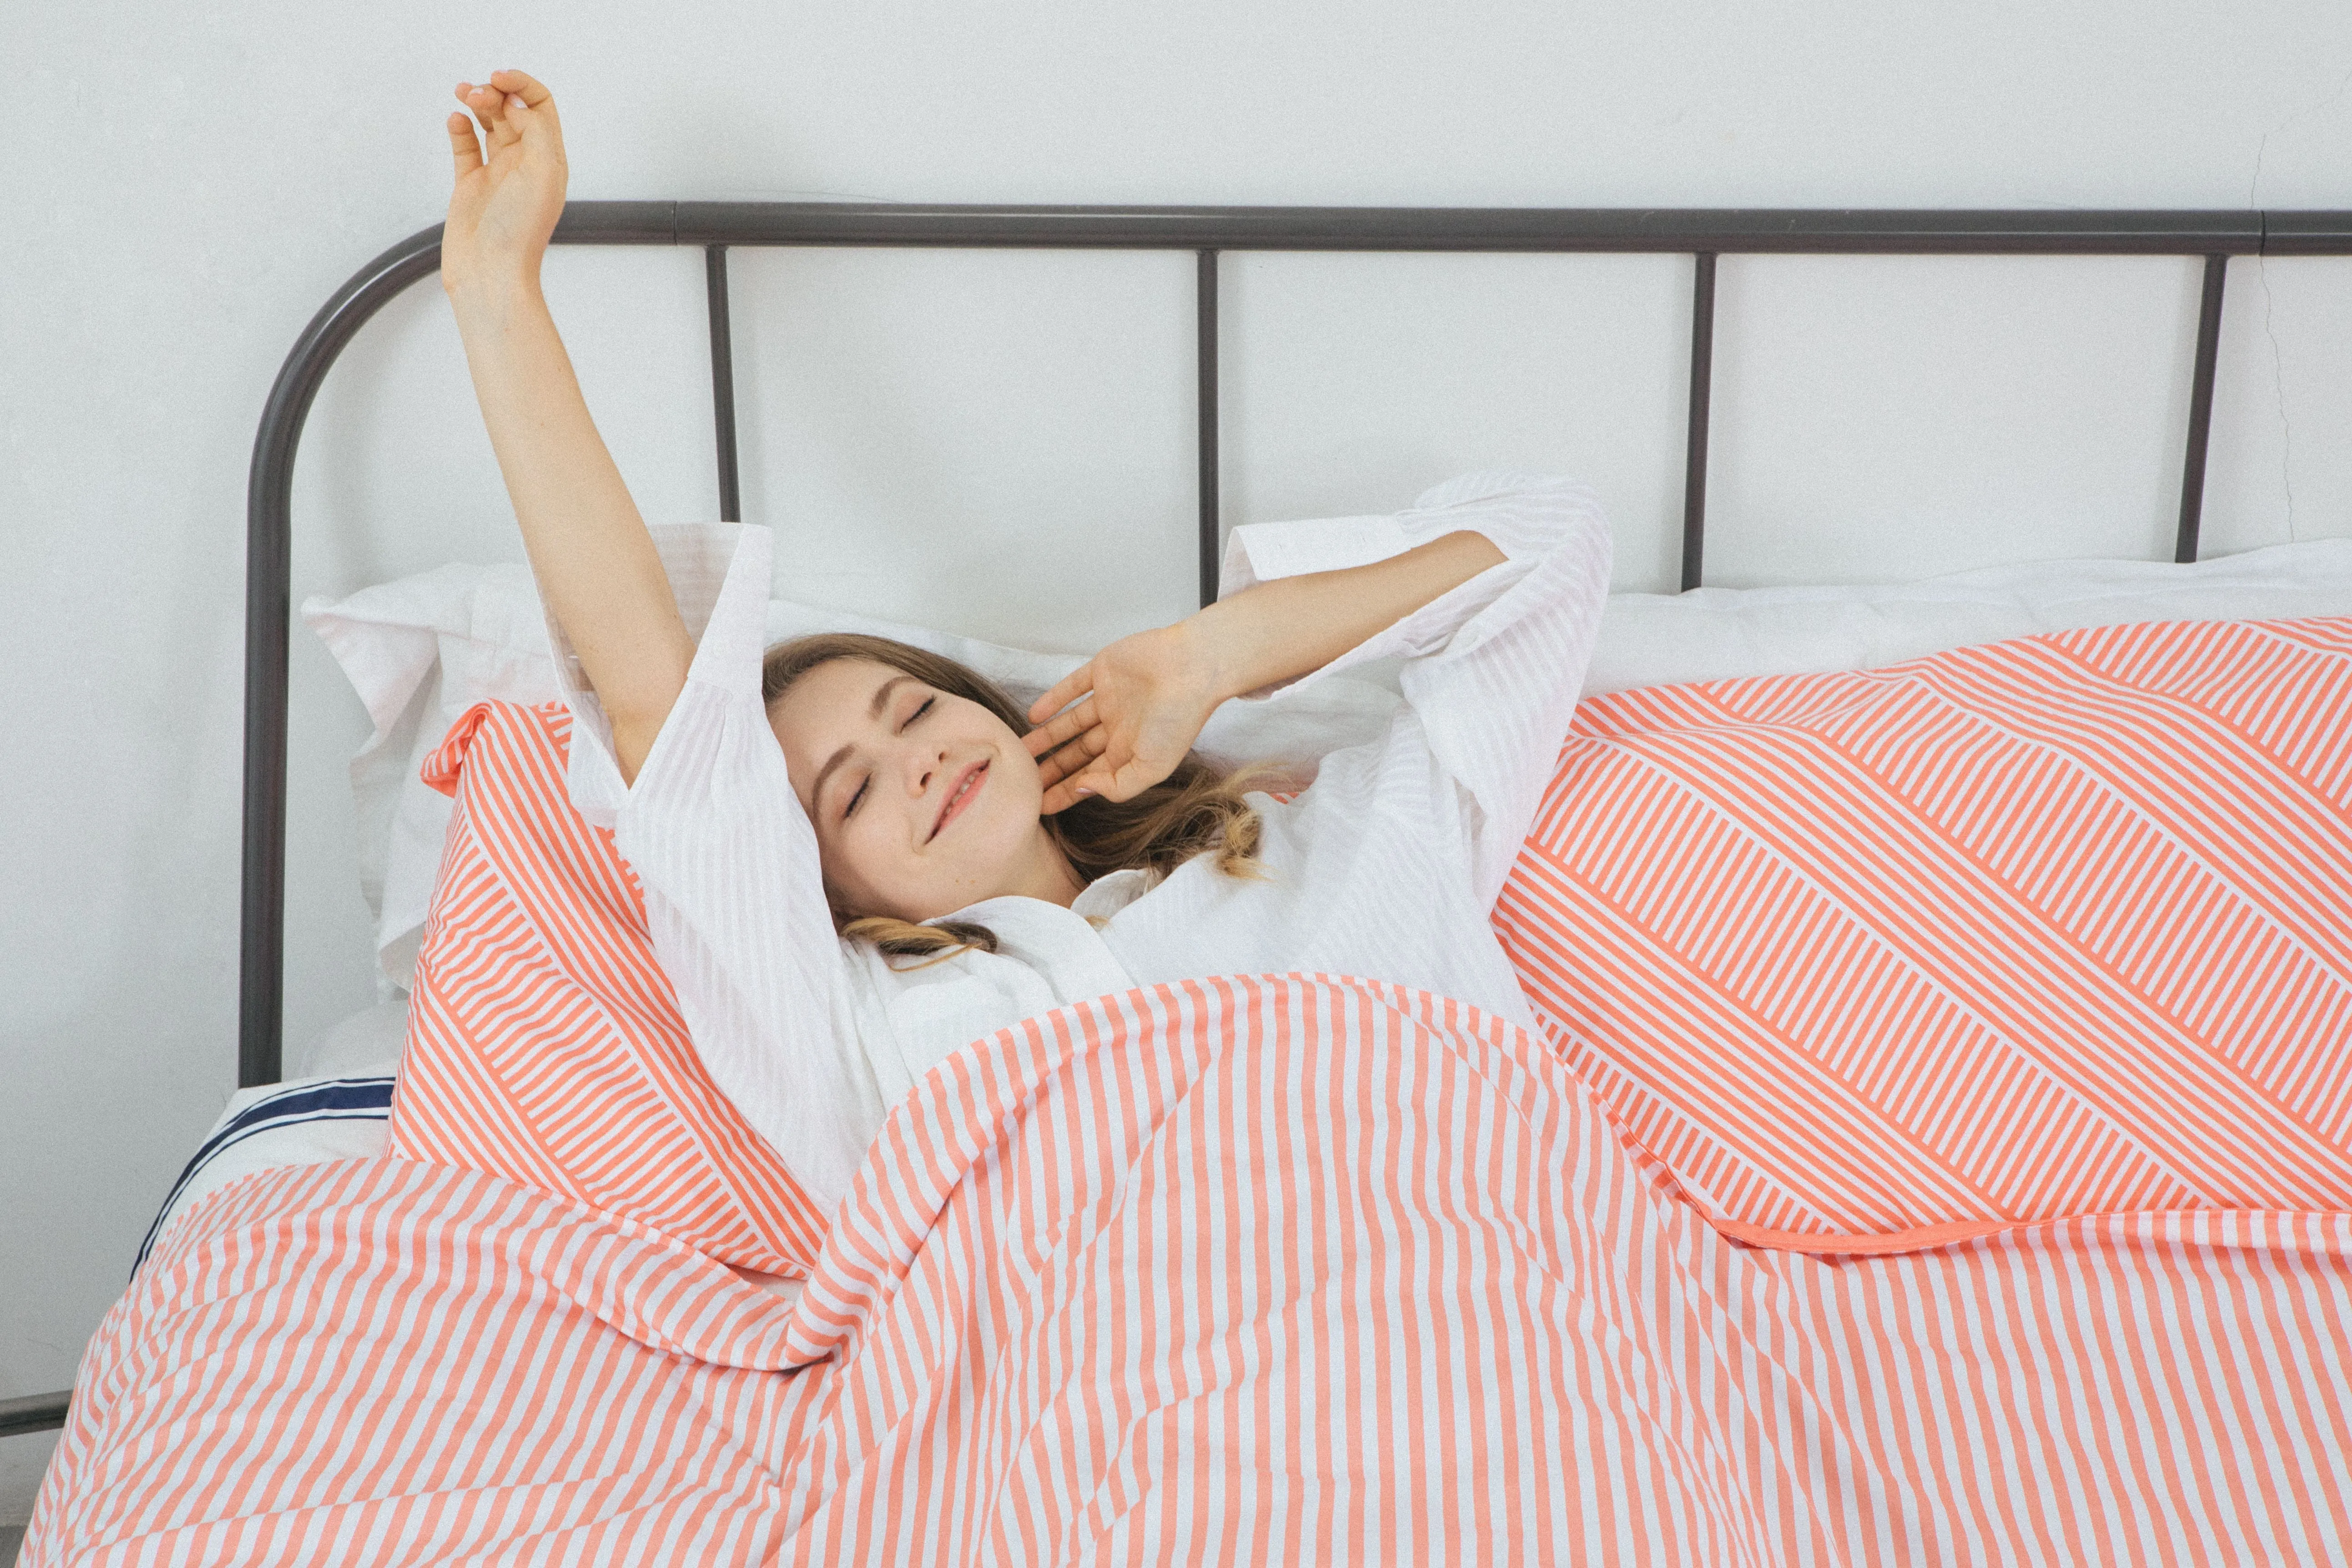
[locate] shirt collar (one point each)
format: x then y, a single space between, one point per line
1107 895
1100 900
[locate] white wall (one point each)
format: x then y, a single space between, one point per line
1001 443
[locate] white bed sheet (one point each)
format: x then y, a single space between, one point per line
301 1122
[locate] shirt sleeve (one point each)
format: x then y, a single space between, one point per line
1492 669
728 863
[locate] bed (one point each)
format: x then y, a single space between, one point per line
1734 1323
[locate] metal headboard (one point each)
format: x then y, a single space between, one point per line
1703 234
1208 232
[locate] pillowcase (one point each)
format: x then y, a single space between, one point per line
423 649
2048 927
1723 633
545 1043
367 1043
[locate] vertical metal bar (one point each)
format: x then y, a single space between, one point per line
261 962
722 379
1205 319
1702 373
2200 409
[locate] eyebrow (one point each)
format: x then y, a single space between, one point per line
873 710
882 695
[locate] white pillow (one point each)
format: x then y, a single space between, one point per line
1714 634
423 649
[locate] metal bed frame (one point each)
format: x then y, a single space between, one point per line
1703 234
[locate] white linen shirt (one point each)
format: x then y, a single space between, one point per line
1386 867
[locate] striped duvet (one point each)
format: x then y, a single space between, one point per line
1313 1268
1258 1269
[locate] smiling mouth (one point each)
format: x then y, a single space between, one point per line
966 787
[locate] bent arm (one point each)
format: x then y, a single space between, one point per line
589 549
1147 696
1276 631
1491 674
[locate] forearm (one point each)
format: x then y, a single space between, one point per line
590 550
1283 629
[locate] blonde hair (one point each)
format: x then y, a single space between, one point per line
1196 810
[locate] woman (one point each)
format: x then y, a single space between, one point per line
857 857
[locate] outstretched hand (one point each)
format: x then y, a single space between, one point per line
507 199
1145 700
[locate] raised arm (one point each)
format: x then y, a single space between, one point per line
1147 696
589 549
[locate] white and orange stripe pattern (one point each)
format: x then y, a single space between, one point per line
2042 929
545 1044
1293 1268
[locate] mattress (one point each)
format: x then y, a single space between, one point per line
334 1109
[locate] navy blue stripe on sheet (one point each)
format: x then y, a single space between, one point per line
336 1100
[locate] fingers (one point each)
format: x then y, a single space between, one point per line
1075 771
463 147
1122 778
534 96
1085 786
481 103
1131 778
504 113
497 116
1072 757
1072 686
1061 728
537 105
1065 795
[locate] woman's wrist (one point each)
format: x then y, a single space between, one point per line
1189 660
1226 647
492 297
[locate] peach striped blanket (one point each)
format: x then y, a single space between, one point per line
1254 1270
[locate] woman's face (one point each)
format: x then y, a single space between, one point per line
923 802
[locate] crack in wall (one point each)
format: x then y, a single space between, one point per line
2262 276
2278 359
2278 391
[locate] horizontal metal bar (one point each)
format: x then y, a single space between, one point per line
2307 234
35 1413
610 223
1849 230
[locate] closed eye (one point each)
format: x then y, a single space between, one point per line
919 712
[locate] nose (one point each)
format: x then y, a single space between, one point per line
923 763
